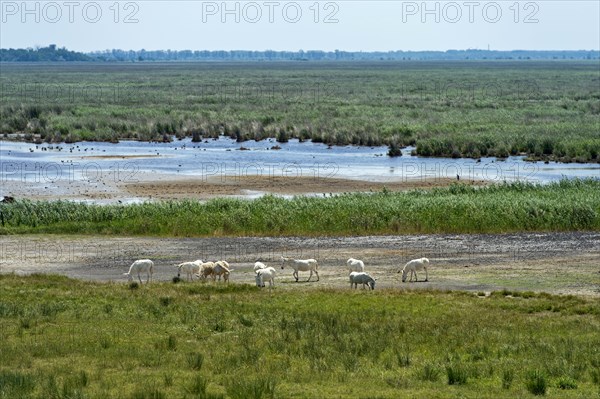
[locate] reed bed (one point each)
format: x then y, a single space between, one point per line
567 205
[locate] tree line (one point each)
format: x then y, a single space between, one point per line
52 53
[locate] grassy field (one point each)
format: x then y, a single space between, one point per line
64 338
548 110
568 205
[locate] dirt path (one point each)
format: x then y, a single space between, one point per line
566 263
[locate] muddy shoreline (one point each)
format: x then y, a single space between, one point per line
149 187
241 185
480 262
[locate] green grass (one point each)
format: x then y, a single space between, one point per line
546 109
511 207
98 340
537 383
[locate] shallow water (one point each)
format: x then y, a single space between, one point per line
93 161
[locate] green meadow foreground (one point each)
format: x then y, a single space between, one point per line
63 338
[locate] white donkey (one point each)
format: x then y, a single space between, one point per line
361 278
355 265
412 267
138 267
189 268
265 275
303 265
258 266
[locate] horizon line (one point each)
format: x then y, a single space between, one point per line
36 47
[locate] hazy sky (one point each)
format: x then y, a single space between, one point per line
308 25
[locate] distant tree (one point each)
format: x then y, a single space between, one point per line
53 53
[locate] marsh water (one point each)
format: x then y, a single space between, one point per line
127 160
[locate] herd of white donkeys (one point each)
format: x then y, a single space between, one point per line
264 274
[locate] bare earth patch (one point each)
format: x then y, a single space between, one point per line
560 263
241 185
111 187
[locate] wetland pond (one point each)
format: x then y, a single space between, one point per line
61 169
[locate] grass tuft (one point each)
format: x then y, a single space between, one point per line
457 374
508 376
166 300
258 388
195 360
537 382
430 372
566 383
